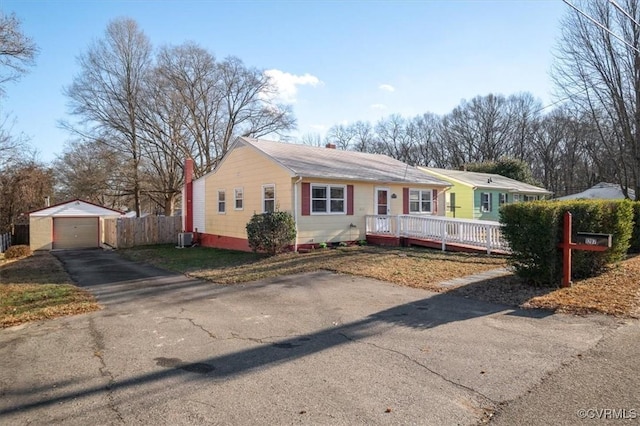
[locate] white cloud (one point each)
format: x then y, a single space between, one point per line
378 106
287 84
387 88
318 127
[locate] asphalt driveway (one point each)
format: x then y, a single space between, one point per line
317 348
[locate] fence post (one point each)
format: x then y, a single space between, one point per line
487 233
443 233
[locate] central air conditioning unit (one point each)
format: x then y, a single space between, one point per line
185 239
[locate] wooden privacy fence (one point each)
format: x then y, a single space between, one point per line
140 231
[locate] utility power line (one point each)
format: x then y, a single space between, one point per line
617 6
601 26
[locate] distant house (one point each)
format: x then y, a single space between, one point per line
73 224
601 191
328 192
476 195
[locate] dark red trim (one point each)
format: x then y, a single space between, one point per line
405 200
188 189
223 242
380 240
349 200
306 199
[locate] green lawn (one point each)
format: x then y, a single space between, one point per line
184 260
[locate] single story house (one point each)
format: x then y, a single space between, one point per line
475 195
73 224
601 191
329 192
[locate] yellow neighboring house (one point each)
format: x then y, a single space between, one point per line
475 195
329 192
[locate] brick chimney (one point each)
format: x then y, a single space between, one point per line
188 195
330 145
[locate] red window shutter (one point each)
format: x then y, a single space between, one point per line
350 200
405 200
306 199
435 200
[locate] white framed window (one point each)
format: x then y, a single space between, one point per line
530 197
268 198
328 199
485 201
222 204
503 198
420 201
238 195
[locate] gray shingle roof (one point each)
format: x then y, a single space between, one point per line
489 181
601 191
314 162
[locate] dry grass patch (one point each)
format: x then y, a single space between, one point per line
411 267
616 292
37 287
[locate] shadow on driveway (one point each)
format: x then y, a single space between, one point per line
127 279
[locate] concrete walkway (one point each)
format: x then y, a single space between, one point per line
471 279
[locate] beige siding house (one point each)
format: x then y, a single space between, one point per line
329 192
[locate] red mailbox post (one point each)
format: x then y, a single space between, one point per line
590 242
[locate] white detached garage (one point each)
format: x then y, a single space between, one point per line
74 224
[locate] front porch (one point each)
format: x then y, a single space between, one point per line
436 232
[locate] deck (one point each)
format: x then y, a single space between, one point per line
437 232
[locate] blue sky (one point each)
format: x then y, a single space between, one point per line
336 61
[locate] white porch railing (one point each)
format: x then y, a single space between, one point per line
475 233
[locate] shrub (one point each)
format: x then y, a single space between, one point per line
635 236
271 232
533 231
15 252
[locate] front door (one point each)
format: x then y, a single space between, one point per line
382 210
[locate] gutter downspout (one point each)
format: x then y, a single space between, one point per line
295 210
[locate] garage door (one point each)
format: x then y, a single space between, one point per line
75 232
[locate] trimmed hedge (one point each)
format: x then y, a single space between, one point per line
635 237
534 229
271 232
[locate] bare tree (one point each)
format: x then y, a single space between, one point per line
17 51
425 130
221 100
363 136
23 187
312 139
107 94
89 170
600 74
341 135
249 106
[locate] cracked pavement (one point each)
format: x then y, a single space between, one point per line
317 348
